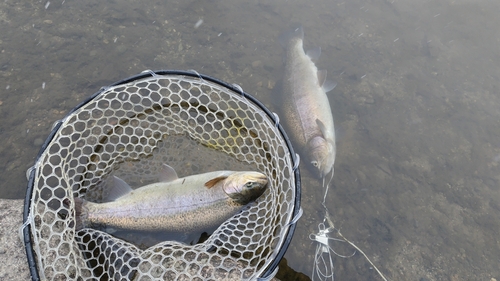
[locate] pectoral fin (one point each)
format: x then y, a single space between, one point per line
214 181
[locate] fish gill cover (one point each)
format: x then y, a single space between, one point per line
130 129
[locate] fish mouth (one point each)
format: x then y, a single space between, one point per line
322 155
254 187
248 187
321 169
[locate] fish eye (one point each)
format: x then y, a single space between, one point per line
315 164
249 184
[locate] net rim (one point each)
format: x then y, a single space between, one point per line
26 227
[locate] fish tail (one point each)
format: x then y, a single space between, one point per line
294 32
81 213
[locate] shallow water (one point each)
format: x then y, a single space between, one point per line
416 182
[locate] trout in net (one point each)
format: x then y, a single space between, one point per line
191 204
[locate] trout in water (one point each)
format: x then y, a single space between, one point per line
306 106
181 205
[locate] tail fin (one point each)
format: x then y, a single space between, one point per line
80 213
285 37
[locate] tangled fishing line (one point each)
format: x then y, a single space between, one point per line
323 268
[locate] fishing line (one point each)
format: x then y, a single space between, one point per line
323 267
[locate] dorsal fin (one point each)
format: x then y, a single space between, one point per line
214 181
323 83
328 86
120 188
167 173
321 77
314 53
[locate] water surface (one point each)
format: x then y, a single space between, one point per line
417 181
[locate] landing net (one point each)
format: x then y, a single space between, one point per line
130 129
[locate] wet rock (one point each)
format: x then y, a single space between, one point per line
12 254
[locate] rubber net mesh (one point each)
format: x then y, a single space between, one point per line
130 130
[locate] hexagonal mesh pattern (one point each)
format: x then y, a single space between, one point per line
130 129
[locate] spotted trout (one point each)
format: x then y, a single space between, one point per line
181 205
306 106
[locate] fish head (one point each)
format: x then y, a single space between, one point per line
244 187
322 154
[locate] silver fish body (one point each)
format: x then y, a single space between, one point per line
189 204
306 107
